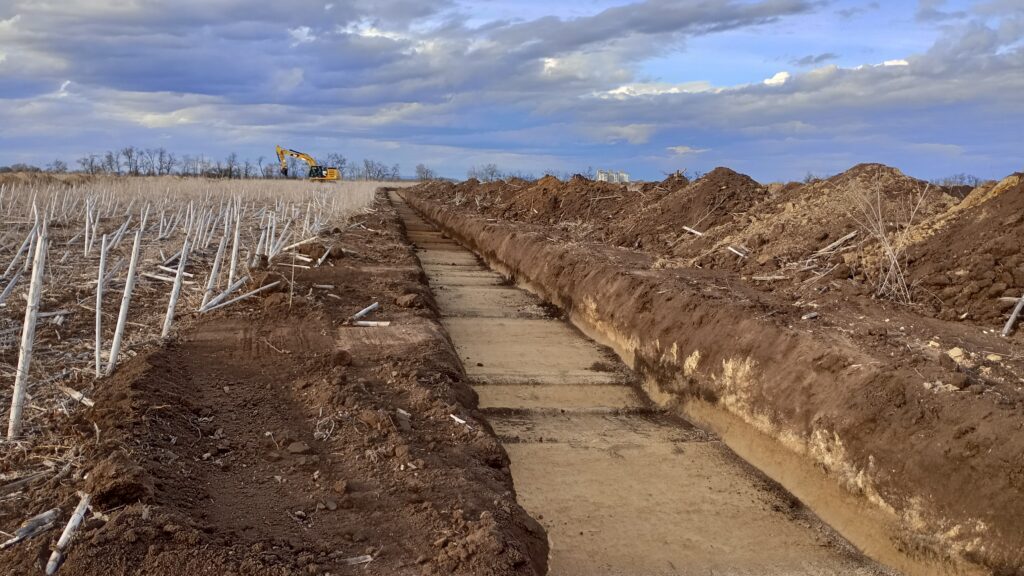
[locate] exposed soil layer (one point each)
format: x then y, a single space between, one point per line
920 417
593 459
272 438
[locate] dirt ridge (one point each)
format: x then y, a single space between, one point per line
946 466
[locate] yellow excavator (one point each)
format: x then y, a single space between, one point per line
316 171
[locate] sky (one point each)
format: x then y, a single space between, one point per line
775 89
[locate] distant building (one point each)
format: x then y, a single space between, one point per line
613 176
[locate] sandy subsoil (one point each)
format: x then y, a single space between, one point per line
917 417
593 459
274 439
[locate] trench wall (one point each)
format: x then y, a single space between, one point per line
866 424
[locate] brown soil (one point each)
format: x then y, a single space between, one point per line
975 259
273 439
960 263
919 417
592 459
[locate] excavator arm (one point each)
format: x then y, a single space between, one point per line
316 171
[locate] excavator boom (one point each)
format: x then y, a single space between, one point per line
316 171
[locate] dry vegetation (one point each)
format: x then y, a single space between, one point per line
229 230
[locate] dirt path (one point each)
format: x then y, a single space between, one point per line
620 487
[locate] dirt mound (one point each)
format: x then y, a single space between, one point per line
711 201
973 265
799 221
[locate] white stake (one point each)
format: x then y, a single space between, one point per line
99 306
238 284
176 291
57 557
115 347
28 334
214 272
234 248
244 296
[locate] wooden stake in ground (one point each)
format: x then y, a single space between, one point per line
176 291
99 307
1013 317
57 557
211 283
122 318
28 335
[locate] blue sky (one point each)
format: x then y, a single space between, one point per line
773 88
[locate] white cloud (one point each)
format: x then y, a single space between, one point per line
896 63
685 150
301 35
656 89
777 80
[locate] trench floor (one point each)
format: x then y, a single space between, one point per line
621 487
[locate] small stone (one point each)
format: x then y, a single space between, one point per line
299 447
332 505
994 358
809 316
410 300
957 354
341 357
959 381
340 487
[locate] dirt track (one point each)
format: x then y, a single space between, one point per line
621 487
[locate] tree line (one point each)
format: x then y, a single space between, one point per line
135 161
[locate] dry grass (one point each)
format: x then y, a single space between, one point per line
172 208
889 224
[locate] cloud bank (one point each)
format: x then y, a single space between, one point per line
755 85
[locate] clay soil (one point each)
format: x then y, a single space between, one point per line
271 438
915 407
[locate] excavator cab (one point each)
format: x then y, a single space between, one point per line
323 173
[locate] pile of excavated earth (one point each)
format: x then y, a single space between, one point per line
854 322
960 258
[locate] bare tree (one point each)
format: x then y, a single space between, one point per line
165 162
90 164
148 161
58 166
336 160
131 159
231 165
424 173
485 173
112 162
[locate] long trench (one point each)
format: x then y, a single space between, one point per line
621 487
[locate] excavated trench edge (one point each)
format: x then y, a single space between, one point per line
867 526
